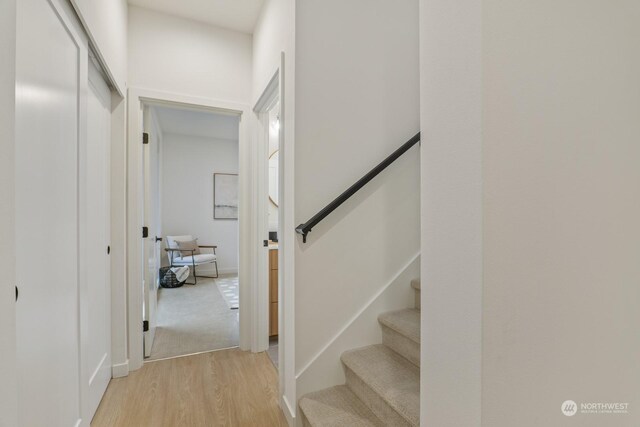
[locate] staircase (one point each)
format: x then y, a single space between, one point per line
383 380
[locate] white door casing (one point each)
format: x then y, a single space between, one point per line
267 101
95 292
51 79
8 402
135 200
275 91
150 208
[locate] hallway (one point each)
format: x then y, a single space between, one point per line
221 388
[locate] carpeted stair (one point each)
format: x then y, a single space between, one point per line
383 380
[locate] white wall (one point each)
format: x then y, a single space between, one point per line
357 100
189 163
8 402
451 212
274 33
561 167
538 101
106 24
185 57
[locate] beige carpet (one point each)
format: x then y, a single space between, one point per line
193 319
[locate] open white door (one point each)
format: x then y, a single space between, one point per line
95 290
51 78
150 243
268 114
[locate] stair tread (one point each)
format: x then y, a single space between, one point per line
337 406
391 376
415 284
406 322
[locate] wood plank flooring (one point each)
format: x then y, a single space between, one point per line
221 388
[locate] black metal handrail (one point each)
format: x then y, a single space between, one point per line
305 228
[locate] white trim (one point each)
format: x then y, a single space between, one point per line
287 239
138 96
287 246
357 314
8 367
120 370
287 410
109 76
270 93
262 305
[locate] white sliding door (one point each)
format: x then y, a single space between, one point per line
51 76
95 294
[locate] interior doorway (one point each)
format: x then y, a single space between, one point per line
270 212
190 261
147 251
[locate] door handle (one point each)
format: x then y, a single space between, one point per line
16 293
265 243
158 239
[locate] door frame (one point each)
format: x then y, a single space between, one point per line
286 238
261 111
8 367
155 140
247 225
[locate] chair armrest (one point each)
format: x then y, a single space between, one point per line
208 246
179 250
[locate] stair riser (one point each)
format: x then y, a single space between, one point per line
373 401
417 298
305 421
402 345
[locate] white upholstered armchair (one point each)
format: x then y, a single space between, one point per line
184 250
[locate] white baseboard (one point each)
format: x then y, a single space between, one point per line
120 370
288 411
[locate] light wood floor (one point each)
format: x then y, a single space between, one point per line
221 388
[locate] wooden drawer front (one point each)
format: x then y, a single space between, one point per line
273 286
273 259
273 319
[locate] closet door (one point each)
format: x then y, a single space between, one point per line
95 294
51 66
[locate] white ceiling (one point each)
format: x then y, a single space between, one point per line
204 124
238 15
